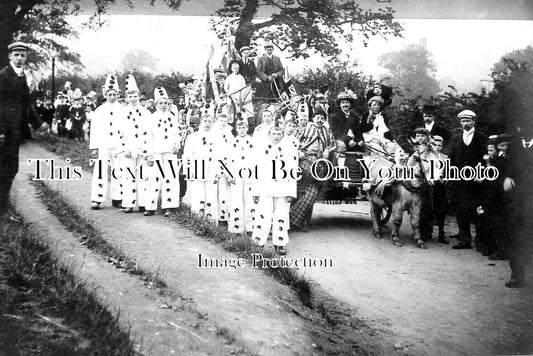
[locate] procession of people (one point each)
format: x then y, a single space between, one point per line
251 171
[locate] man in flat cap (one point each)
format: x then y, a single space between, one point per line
270 70
15 112
467 149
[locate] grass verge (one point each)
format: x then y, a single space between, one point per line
77 152
242 245
89 236
44 308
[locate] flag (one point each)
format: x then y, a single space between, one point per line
242 102
230 54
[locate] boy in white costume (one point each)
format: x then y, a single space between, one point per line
137 136
107 144
163 174
200 159
225 138
272 191
241 204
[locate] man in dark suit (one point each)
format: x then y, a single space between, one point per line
344 124
270 71
247 65
15 110
467 149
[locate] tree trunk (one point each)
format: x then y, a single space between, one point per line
244 32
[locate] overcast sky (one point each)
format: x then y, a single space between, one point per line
464 50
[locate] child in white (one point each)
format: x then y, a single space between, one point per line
241 203
137 136
200 159
107 143
163 174
273 191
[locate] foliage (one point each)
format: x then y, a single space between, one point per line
411 71
43 24
303 27
333 78
139 61
145 81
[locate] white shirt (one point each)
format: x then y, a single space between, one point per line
468 135
17 70
429 126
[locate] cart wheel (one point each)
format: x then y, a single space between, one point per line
386 212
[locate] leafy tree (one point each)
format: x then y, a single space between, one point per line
139 61
411 71
304 26
43 23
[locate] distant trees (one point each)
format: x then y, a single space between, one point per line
139 61
411 72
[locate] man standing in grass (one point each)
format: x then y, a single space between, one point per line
15 112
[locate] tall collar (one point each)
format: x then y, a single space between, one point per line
18 71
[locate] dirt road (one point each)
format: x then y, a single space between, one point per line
437 301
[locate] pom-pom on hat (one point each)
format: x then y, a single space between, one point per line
111 83
131 84
466 114
160 93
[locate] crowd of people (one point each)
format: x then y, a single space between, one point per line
158 150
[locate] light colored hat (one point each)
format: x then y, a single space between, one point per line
350 96
244 48
467 114
77 94
421 130
268 44
111 83
377 98
131 84
160 93
438 138
18 46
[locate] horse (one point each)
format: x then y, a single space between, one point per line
402 194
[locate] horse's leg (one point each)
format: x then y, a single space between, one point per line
375 214
397 216
414 211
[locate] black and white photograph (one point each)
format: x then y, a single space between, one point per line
266 177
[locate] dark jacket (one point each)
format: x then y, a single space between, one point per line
263 70
248 70
15 107
462 155
340 124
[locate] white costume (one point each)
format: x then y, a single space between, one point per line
241 202
224 144
163 178
273 208
137 136
200 159
106 137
